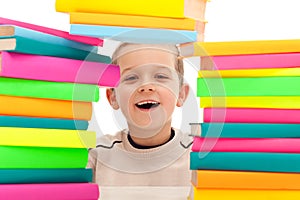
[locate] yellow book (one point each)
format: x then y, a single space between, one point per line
36 137
168 8
136 21
239 47
249 73
213 179
282 102
235 194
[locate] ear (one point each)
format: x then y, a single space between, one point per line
183 94
111 97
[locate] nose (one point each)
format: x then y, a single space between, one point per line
147 88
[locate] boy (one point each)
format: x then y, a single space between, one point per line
150 152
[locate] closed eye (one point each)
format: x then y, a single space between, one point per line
161 76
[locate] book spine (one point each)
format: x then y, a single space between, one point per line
245 161
63 34
213 179
263 86
274 102
249 73
259 61
168 8
19 176
249 130
239 47
236 194
54 191
132 21
251 115
47 137
33 107
49 90
17 157
48 123
29 46
276 145
135 35
47 68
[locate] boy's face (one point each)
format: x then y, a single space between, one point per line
149 88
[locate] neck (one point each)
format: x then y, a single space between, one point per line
162 136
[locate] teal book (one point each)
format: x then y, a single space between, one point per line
24 40
245 161
135 35
19 176
49 90
18 157
249 86
49 123
249 130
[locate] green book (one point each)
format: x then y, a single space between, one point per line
17 176
245 161
17 157
261 86
49 90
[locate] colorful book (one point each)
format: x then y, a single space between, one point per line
135 35
168 8
35 137
25 40
236 194
18 176
210 179
239 47
47 68
237 73
17 157
275 145
278 102
251 115
33 107
51 191
49 123
249 130
245 161
106 19
59 33
251 61
262 86
49 90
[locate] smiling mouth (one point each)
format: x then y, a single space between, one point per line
146 105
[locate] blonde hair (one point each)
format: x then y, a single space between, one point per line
125 48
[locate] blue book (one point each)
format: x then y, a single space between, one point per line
49 123
245 161
17 176
135 35
29 41
249 130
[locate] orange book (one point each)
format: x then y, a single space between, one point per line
33 107
215 179
137 21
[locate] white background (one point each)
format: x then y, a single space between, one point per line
228 20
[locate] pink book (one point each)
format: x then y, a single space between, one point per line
48 68
276 145
283 60
78 38
249 115
55 191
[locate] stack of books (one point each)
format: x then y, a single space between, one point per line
154 21
48 81
248 146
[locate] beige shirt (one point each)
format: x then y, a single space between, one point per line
117 164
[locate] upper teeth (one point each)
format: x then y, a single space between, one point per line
145 102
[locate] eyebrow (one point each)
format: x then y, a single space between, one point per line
159 66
